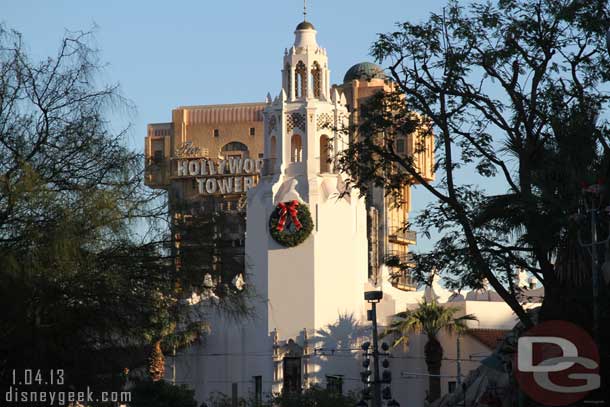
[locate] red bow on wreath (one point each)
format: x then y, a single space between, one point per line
285 209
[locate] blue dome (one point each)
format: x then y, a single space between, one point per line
364 70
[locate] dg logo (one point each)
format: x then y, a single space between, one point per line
557 363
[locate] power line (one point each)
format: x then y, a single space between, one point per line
333 353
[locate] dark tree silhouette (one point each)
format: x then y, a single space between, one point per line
80 290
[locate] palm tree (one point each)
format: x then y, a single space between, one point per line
156 363
428 318
548 219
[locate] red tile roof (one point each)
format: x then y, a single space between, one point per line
488 337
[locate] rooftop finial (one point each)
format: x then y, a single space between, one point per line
305 25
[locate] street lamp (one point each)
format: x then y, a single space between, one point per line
374 297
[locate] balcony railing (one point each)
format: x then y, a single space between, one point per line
403 281
399 235
399 259
400 264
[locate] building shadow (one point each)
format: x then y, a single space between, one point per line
335 357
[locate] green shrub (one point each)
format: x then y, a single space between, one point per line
315 397
162 394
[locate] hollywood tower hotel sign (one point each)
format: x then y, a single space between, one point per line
311 247
234 175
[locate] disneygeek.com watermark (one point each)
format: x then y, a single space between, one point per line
557 363
28 390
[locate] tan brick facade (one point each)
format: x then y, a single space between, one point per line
209 129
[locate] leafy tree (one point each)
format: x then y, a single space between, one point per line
315 397
80 290
428 318
511 90
162 394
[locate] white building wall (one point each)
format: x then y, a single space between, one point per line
233 354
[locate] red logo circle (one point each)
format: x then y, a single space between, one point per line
557 363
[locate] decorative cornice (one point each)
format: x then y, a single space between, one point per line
213 114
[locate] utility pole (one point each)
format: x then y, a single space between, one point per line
464 388
595 275
594 193
459 365
174 365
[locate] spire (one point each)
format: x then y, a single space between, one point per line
305 25
305 32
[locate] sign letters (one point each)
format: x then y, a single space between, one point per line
232 176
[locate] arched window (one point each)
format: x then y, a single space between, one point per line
324 154
300 80
288 80
296 148
235 146
273 147
235 149
401 145
316 79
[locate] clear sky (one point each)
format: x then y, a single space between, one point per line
170 53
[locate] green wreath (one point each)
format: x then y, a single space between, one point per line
290 223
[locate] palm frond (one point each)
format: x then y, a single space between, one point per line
428 318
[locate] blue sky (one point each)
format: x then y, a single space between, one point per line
170 53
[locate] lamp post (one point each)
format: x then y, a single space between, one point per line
373 297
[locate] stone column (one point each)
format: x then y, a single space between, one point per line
292 86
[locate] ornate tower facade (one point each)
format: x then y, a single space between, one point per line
305 287
300 120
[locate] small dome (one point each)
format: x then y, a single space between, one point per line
364 70
305 25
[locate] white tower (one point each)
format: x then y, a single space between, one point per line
308 286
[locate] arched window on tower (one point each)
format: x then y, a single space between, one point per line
316 79
401 145
273 147
324 154
300 80
288 80
296 149
270 157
